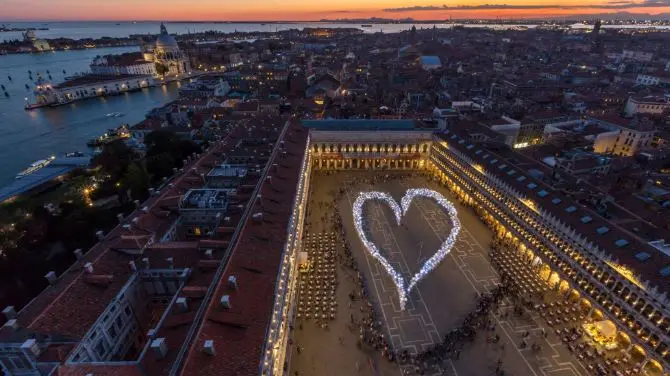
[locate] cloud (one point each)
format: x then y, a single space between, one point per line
609 5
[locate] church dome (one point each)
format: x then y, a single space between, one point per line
165 40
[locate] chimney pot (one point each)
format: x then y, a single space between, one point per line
137 203
78 254
100 235
120 217
208 347
170 261
159 345
12 324
145 261
182 304
88 267
208 253
225 302
51 277
9 312
132 265
232 282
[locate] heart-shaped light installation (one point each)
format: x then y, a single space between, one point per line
399 211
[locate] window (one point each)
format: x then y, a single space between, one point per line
621 243
542 193
100 349
112 331
556 201
571 209
532 185
586 219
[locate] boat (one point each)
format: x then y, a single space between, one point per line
120 133
114 114
366 25
34 167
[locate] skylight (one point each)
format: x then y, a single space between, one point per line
511 172
478 151
502 166
586 219
470 147
556 201
621 243
532 185
642 256
571 209
542 193
521 178
665 272
493 161
602 230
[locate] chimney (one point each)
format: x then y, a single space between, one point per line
120 217
174 170
145 261
12 324
257 217
51 277
170 261
132 265
151 191
9 312
136 221
182 304
32 347
208 348
137 203
145 209
78 254
232 282
88 267
225 302
151 334
269 179
208 253
159 345
100 235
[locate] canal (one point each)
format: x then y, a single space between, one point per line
26 136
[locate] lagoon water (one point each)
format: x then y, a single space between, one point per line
26 136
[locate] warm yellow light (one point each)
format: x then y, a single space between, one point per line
520 145
626 273
479 168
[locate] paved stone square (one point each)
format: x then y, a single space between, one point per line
436 306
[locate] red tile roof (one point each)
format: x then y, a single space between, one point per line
239 333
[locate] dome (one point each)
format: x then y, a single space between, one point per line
166 40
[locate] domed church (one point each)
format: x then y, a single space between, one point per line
166 52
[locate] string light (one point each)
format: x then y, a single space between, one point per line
399 211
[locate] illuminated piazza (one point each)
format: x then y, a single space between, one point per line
544 294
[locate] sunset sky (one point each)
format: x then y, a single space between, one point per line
233 10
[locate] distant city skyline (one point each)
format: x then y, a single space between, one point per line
301 10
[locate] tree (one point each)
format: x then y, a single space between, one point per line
137 180
114 159
162 69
